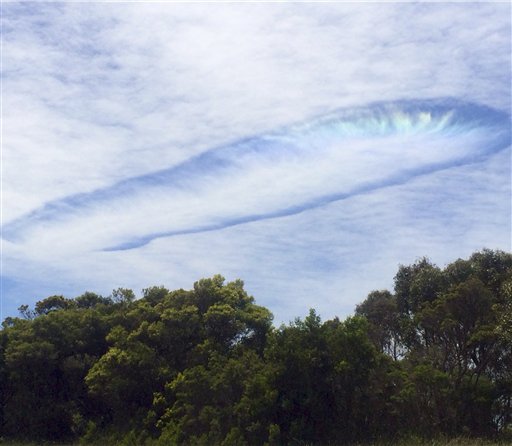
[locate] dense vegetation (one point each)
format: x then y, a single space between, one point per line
206 366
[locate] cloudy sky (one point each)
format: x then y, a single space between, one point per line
307 148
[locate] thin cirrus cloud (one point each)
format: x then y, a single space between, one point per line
286 172
301 147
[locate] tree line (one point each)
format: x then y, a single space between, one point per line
207 367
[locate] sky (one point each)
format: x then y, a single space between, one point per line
306 148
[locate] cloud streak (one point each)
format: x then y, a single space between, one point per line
325 160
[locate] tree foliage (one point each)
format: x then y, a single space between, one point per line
206 367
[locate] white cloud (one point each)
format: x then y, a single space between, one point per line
97 93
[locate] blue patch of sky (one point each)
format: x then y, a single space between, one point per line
15 290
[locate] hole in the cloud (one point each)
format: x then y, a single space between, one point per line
300 167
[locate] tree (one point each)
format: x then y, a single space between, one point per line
91 300
53 303
417 284
322 380
123 296
228 401
381 311
175 334
154 294
458 347
45 362
205 366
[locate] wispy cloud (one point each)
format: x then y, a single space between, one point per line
126 124
283 173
